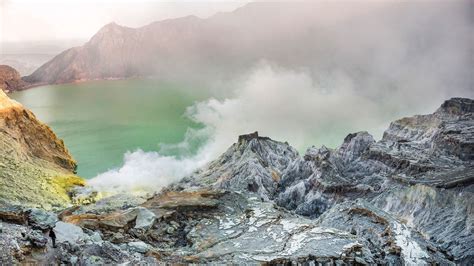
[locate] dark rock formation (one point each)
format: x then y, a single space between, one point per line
404 200
10 79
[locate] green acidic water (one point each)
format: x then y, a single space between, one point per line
99 121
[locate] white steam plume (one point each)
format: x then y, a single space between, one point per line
280 103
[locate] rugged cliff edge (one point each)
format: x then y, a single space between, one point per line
406 199
35 167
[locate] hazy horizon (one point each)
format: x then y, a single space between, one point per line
24 21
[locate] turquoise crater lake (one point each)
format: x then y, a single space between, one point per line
101 120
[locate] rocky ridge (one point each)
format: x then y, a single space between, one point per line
406 199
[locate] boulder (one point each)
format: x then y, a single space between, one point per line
69 233
37 238
41 219
145 218
138 246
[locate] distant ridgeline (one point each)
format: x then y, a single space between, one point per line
314 36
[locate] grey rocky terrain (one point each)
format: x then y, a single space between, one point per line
406 199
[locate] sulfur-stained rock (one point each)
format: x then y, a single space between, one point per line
36 170
13 214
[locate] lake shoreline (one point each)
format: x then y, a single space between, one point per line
101 120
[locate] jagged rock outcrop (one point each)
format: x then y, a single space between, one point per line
10 79
413 173
403 200
253 164
35 167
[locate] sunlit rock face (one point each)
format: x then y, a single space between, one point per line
35 167
403 200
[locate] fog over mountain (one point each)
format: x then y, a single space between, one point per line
309 73
376 46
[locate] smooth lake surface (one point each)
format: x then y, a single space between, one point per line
101 120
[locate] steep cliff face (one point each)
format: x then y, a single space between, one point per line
35 167
10 79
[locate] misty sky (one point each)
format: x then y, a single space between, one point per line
49 20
